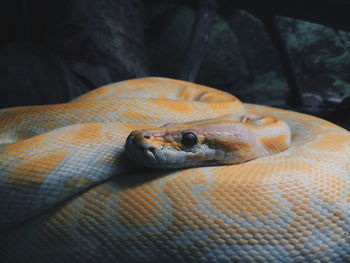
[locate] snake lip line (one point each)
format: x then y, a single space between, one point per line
150 152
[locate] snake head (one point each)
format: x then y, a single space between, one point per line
186 145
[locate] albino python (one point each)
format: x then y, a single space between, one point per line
278 191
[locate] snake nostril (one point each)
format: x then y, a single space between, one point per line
147 137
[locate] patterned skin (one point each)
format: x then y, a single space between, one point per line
68 194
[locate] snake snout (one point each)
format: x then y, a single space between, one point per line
139 148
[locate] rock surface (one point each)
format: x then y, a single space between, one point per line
31 74
102 41
168 36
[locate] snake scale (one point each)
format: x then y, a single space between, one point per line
69 193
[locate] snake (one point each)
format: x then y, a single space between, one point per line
162 170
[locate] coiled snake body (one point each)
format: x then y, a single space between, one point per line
68 193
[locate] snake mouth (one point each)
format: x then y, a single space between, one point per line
151 154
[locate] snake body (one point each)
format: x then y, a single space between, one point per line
68 193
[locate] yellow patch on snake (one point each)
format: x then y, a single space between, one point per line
225 105
160 141
330 188
275 144
177 106
185 94
134 115
331 142
217 97
24 175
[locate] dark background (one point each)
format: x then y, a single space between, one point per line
289 54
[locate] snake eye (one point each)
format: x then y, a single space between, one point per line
189 139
